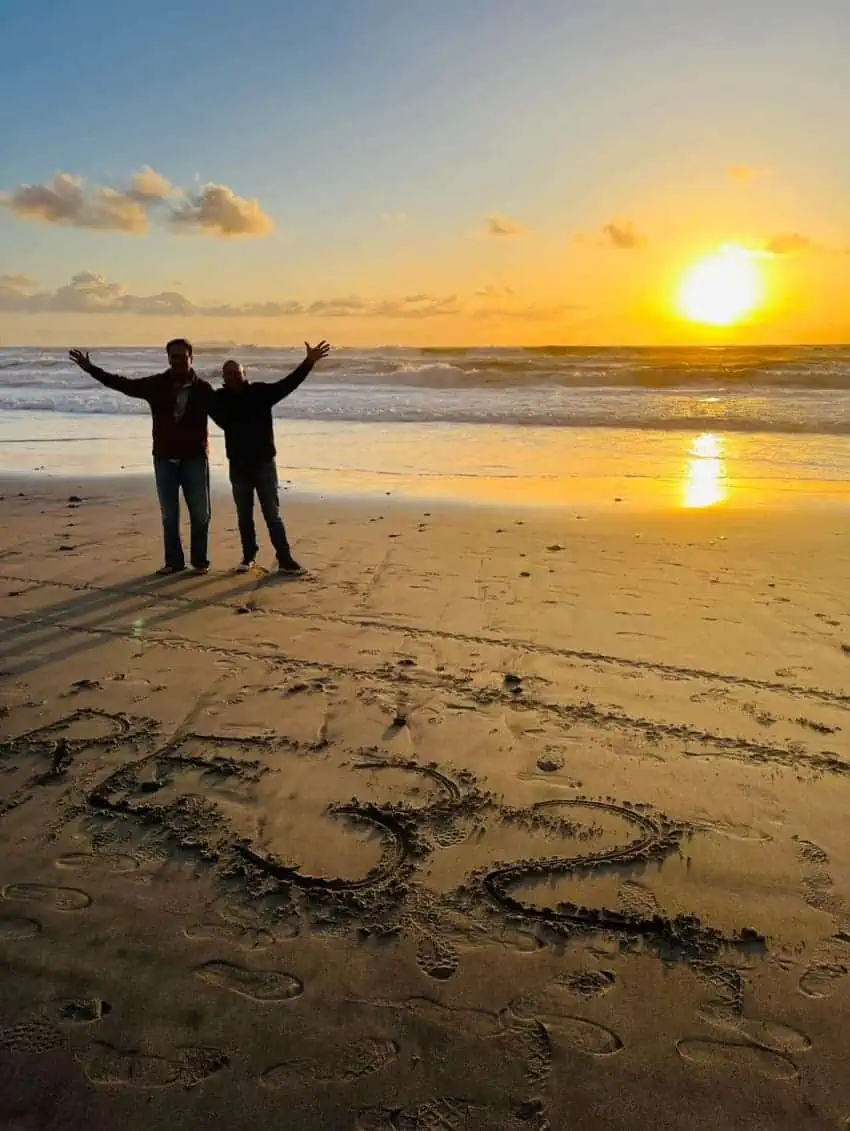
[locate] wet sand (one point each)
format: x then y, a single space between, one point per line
495 820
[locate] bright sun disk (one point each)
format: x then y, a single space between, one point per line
721 289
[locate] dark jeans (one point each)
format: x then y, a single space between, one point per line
193 477
246 479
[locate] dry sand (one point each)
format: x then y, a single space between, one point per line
494 821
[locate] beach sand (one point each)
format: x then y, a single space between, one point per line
496 820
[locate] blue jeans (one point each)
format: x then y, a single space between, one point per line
193 477
246 479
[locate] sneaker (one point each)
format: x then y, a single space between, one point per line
199 570
167 570
246 566
290 567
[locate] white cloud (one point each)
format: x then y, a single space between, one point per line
217 210
67 200
148 185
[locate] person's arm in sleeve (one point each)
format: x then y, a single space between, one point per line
276 390
215 407
131 386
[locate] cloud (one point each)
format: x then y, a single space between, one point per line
530 313
217 210
89 293
17 282
66 200
395 218
745 174
149 185
791 243
494 292
623 236
499 225
410 306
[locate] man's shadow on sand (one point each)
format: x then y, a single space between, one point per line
105 612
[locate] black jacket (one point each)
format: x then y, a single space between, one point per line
245 415
183 438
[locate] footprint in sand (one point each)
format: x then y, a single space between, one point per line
107 1066
105 863
31 1038
77 1010
353 1062
580 1034
249 938
726 1056
437 958
822 979
259 985
13 928
47 896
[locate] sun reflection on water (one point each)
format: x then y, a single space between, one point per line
705 482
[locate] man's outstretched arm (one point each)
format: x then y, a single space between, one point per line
130 386
277 390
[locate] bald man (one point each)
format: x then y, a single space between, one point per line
243 410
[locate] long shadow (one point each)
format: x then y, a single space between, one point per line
100 609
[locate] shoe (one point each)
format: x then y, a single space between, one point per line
245 566
167 570
199 570
290 567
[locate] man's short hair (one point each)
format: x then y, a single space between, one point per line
176 342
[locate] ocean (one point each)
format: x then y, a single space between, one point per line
421 420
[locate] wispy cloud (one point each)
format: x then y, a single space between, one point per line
70 201
529 313
622 235
496 224
394 219
791 243
746 174
494 292
89 293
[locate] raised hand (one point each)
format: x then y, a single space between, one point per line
316 353
79 357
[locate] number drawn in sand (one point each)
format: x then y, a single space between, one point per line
248 938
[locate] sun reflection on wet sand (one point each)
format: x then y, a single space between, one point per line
706 482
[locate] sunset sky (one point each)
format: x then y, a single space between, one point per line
419 171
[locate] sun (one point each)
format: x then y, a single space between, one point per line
721 289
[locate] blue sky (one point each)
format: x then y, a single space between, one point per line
337 115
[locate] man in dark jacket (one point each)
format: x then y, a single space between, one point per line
178 401
243 410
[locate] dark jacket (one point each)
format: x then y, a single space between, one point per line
245 415
185 438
